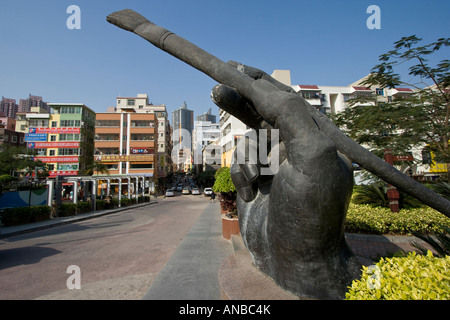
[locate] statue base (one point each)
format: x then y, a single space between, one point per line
240 280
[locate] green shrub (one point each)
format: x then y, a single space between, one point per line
23 215
100 204
414 277
378 220
67 209
125 202
83 207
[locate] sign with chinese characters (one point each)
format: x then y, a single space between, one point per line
142 151
63 173
43 145
123 158
54 130
404 158
35 137
58 159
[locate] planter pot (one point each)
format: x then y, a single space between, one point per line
230 226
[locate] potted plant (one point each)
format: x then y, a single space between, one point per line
225 188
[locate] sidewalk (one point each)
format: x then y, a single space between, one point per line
30 227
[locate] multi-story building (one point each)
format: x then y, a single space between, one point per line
8 107
204 133
25 105
207 116
63 139
8 135
163 139
183 125
231 131
126 142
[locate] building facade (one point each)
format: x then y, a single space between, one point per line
204 133
126 142
8 108
163 138
63 139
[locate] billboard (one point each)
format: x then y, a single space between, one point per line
35 137
117 158
58 159
54 130
43 145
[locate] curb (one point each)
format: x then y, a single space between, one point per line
66 220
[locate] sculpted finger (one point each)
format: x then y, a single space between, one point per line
243 187
232 102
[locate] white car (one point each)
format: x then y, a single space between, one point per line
170 193
195 191
207 192
186 190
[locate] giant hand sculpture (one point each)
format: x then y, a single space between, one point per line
292 222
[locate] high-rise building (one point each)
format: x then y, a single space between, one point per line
8 107
25 105
207 116
183 125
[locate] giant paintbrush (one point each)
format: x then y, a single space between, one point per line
228 75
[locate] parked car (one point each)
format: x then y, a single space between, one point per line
170 193
180 187
186 190
195 191
207 192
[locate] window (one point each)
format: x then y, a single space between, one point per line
107 123
68 152
21 139
22 127
141 166
14 139
131 102
380 92
54 124
52 138
52 153
51 167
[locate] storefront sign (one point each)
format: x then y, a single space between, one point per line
42 145
63 173
58 159
35 137
116 158
142 151
54 130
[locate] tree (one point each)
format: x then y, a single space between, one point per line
15 159
418 119
97 167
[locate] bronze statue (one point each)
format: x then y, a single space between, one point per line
292 222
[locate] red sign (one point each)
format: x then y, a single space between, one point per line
58 159
41 145
404 158
118 158
63 173
142 151
55 130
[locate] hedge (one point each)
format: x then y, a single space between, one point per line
377 220
22 215
414 277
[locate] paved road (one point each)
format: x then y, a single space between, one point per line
119 255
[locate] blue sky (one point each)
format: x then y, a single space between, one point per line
321 42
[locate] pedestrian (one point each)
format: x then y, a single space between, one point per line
213 196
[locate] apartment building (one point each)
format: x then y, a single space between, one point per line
63 139
126 142
231 131
204 133
163 137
